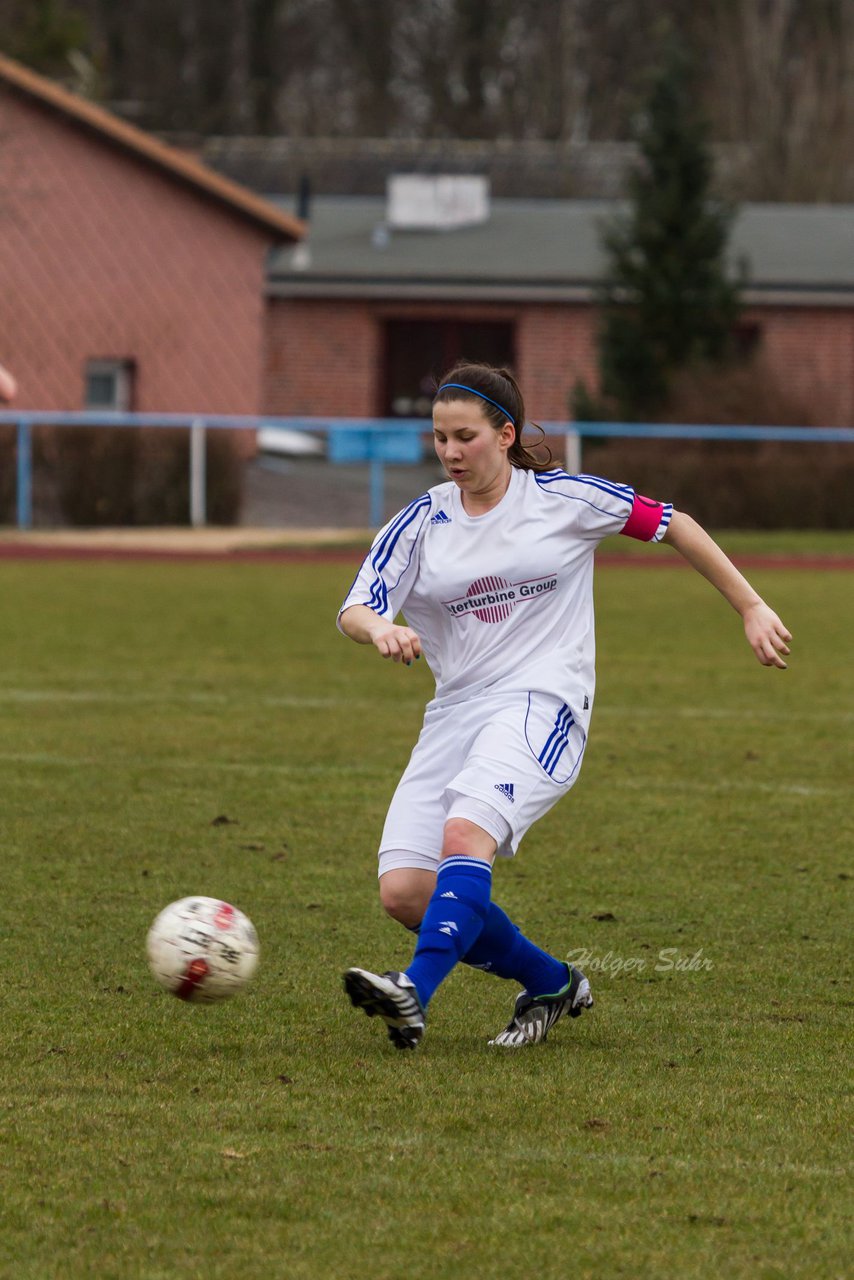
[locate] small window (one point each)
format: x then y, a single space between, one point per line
746 339
109 385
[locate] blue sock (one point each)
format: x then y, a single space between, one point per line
501 948
452 921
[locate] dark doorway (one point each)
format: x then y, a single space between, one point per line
417 352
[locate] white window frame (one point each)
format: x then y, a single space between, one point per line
121 374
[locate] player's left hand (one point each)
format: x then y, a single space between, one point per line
766 635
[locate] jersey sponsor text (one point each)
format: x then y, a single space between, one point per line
492 599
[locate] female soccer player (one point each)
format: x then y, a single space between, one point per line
493 573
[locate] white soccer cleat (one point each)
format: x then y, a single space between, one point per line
534 1016
394 998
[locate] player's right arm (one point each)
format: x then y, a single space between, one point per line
381 587
361 624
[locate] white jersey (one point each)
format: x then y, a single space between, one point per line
504 601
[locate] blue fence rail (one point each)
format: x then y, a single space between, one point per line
380 442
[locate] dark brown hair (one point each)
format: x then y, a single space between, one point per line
497 393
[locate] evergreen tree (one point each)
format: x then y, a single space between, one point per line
667 300
45 34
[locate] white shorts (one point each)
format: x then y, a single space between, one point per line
517 753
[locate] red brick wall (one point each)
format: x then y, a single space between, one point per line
325 357
555 348
811 351
321 358
103 256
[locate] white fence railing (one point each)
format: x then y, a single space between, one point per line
379 442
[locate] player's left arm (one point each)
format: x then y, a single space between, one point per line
766 634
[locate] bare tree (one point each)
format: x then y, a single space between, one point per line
782 81
778 75
238 59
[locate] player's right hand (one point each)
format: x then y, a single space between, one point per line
401 644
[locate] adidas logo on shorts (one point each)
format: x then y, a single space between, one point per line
506 789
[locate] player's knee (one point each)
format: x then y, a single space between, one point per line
404 900
465 838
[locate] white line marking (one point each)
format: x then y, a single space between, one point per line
36 758
649 785
724 713
178 697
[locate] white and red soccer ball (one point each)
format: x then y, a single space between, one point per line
202 949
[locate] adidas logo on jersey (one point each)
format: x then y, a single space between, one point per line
440 518
506 789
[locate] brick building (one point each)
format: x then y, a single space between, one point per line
131 275
364 309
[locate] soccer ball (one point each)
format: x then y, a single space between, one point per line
202 949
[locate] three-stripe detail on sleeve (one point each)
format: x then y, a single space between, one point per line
557 741
384 549
622 491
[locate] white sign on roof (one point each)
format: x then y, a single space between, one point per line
419 201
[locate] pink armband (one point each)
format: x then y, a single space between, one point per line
644 519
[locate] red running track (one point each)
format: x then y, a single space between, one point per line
332 555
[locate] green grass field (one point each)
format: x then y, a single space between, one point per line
691 1126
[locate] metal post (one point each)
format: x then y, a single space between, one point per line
25 476
198 476
573 452
377 483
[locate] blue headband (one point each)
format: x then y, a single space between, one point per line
462 387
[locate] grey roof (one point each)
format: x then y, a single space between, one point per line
548 250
